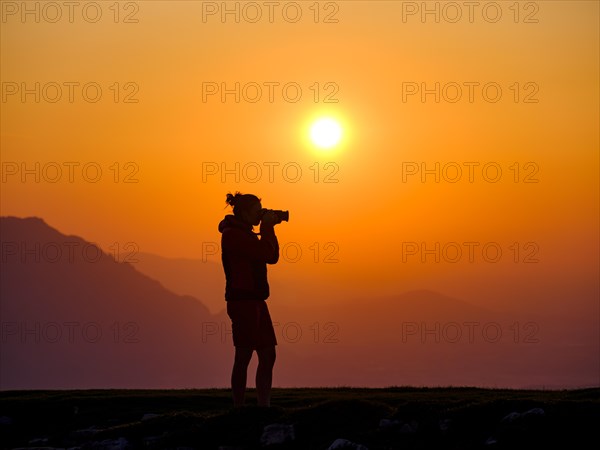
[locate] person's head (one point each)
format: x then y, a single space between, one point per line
246 207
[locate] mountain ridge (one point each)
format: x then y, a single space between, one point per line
91 322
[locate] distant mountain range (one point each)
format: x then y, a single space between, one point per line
202 280
73 317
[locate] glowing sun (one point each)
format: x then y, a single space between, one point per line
325 133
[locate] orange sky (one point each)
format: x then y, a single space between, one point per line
171 136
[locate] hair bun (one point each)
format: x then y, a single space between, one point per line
232 199
241 201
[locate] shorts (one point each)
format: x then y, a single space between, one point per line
251 324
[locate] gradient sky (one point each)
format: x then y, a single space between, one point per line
171 135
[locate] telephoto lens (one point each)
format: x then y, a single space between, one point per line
281 215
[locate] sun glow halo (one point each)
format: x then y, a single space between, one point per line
325 133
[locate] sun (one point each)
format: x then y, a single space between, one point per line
325 133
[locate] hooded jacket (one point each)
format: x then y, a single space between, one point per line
245 258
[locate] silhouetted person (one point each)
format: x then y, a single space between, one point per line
245 258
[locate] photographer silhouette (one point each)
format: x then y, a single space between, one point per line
245 258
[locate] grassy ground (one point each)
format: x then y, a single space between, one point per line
440 418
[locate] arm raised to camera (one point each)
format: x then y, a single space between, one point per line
240 242
267 234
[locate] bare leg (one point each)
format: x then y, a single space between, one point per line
264 374
239 373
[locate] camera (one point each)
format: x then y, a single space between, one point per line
281 215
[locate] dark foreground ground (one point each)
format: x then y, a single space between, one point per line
417 418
